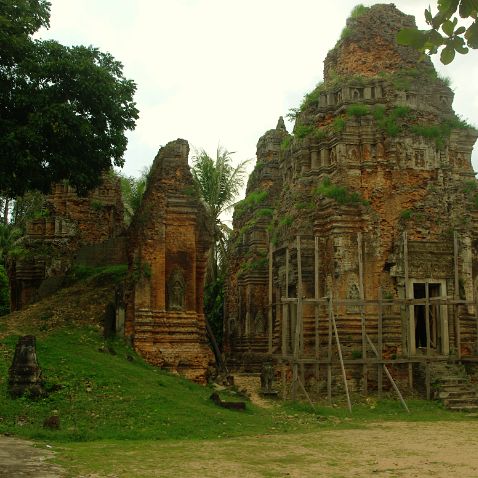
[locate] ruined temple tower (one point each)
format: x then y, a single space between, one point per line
168 245
371 198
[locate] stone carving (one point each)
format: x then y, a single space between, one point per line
353 294
267 378
176 290
24 375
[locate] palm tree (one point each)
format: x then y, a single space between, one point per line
219 183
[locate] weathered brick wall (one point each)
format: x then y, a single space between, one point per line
168 244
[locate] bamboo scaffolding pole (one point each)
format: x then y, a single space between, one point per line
380 342
456 295
362 313
329 353
269 314
427 318
392 381
316 312
407 343
342 366
300 310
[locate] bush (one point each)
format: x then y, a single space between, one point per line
359 10
4 292
358 110
338 124
301 131
251 200
286 142
338 193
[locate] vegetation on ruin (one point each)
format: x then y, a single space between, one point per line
64 110
132 192
339 193
286 142
440 132
252 200
301 131
358 109
356 12
338 124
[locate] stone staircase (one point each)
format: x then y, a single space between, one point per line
451 385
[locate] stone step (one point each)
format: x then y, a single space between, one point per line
464 408
458 402
457 394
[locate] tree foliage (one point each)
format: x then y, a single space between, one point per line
63 110
132 192
218 183
446 32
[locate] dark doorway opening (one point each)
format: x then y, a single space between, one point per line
420 292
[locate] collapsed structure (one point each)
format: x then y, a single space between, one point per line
160 305
356 244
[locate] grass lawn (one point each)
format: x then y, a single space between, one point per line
119 416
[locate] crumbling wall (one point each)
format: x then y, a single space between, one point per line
168 243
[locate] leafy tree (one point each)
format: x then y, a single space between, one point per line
445 32
63 110
132 191
4 292
218 183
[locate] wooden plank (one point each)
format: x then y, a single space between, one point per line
380 342
362 313
476 324
457 295
269 316
316 312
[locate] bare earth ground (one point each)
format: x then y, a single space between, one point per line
18 459
385 449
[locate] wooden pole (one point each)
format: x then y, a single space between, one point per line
476 315
329 351
457 295
299 330
427 379
380 342
269 317
344 375
407 328
316 312
392 381
427 317
362 314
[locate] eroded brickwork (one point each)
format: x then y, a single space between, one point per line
168 244
377 151
72 223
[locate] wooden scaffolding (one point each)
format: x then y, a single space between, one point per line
288 348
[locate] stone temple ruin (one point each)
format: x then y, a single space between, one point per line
354 253
353 261
160 305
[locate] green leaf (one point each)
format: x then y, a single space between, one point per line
459 45
447 55
448 27
460 30
471 35
428 16
447 7
468 7
412 37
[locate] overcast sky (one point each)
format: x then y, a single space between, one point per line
223 71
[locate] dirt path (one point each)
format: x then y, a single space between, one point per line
384 450
19 459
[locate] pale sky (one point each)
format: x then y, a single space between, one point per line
223 71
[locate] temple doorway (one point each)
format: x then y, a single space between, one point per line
437 317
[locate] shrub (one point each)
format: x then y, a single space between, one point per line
4 292
286 142
253 199
301 131
265 212
338 193
359 10
406 214
338 124
358 110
